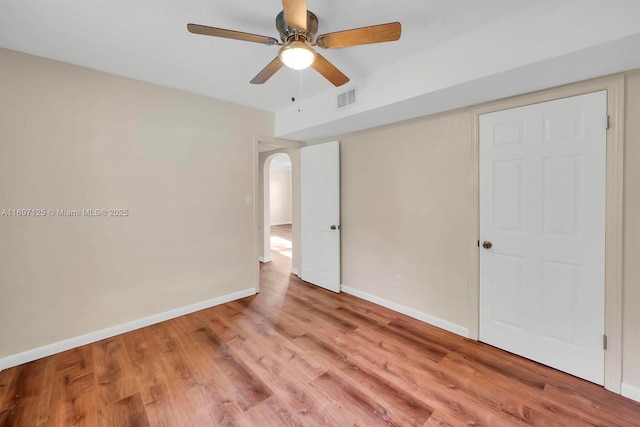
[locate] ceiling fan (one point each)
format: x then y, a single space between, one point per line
297 27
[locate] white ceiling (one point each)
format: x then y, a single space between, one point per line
444 44
148 40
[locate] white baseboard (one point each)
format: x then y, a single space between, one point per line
265 259
630 391
427 318
60 346
281 223
295 271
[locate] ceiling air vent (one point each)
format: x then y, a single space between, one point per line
347 98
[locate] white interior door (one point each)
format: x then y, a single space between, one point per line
542 208
320 205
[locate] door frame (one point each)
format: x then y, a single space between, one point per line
263 148
615 87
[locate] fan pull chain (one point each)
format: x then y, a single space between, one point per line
293 88
297 91
300 93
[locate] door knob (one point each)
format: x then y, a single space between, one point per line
487 244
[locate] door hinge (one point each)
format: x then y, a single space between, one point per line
606 122
604 342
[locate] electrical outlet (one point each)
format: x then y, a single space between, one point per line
248 199
397 280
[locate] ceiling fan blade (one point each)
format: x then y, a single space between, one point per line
329 71
230 34
267 71
295 14
375 34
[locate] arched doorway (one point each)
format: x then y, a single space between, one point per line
278 210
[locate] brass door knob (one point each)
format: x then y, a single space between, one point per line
487 244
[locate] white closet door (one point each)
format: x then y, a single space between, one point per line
542 210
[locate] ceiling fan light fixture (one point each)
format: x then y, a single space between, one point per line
297 55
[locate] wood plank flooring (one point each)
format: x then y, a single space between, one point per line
297 355
283 231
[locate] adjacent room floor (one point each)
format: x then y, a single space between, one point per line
298 355
281 244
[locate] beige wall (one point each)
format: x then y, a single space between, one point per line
404 198
72 138
280 196
405 210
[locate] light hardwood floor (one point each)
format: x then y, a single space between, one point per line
301 356
283 231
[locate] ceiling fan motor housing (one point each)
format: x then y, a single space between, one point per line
287 33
